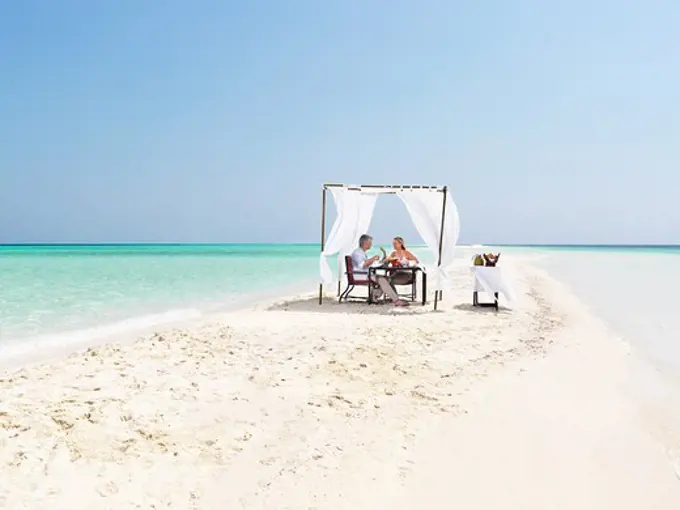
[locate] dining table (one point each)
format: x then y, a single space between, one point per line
389 270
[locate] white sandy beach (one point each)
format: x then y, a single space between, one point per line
295 406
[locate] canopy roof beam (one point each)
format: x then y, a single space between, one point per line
396 187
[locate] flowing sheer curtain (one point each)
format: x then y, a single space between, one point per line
425 209
355 211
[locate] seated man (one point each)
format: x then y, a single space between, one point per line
361 262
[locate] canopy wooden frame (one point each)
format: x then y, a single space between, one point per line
384 190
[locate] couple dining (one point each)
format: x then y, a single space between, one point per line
385 284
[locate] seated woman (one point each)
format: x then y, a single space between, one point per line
401 254
402 257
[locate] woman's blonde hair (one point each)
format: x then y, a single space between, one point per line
401 241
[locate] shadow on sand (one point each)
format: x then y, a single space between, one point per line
331 305
469 308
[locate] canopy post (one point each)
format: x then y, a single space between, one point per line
437 292
323 234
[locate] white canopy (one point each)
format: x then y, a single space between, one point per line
355 205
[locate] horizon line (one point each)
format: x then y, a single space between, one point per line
252 243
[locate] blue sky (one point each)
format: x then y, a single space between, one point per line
166 120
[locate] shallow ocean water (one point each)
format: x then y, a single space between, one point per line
49 289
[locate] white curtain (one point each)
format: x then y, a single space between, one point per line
491 280
425 208
355 211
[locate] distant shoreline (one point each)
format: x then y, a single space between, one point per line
125 244
581 246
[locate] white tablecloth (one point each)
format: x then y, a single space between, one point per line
491 280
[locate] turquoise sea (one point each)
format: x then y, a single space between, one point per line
47 289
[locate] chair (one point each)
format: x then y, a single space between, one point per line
353 282
410 282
